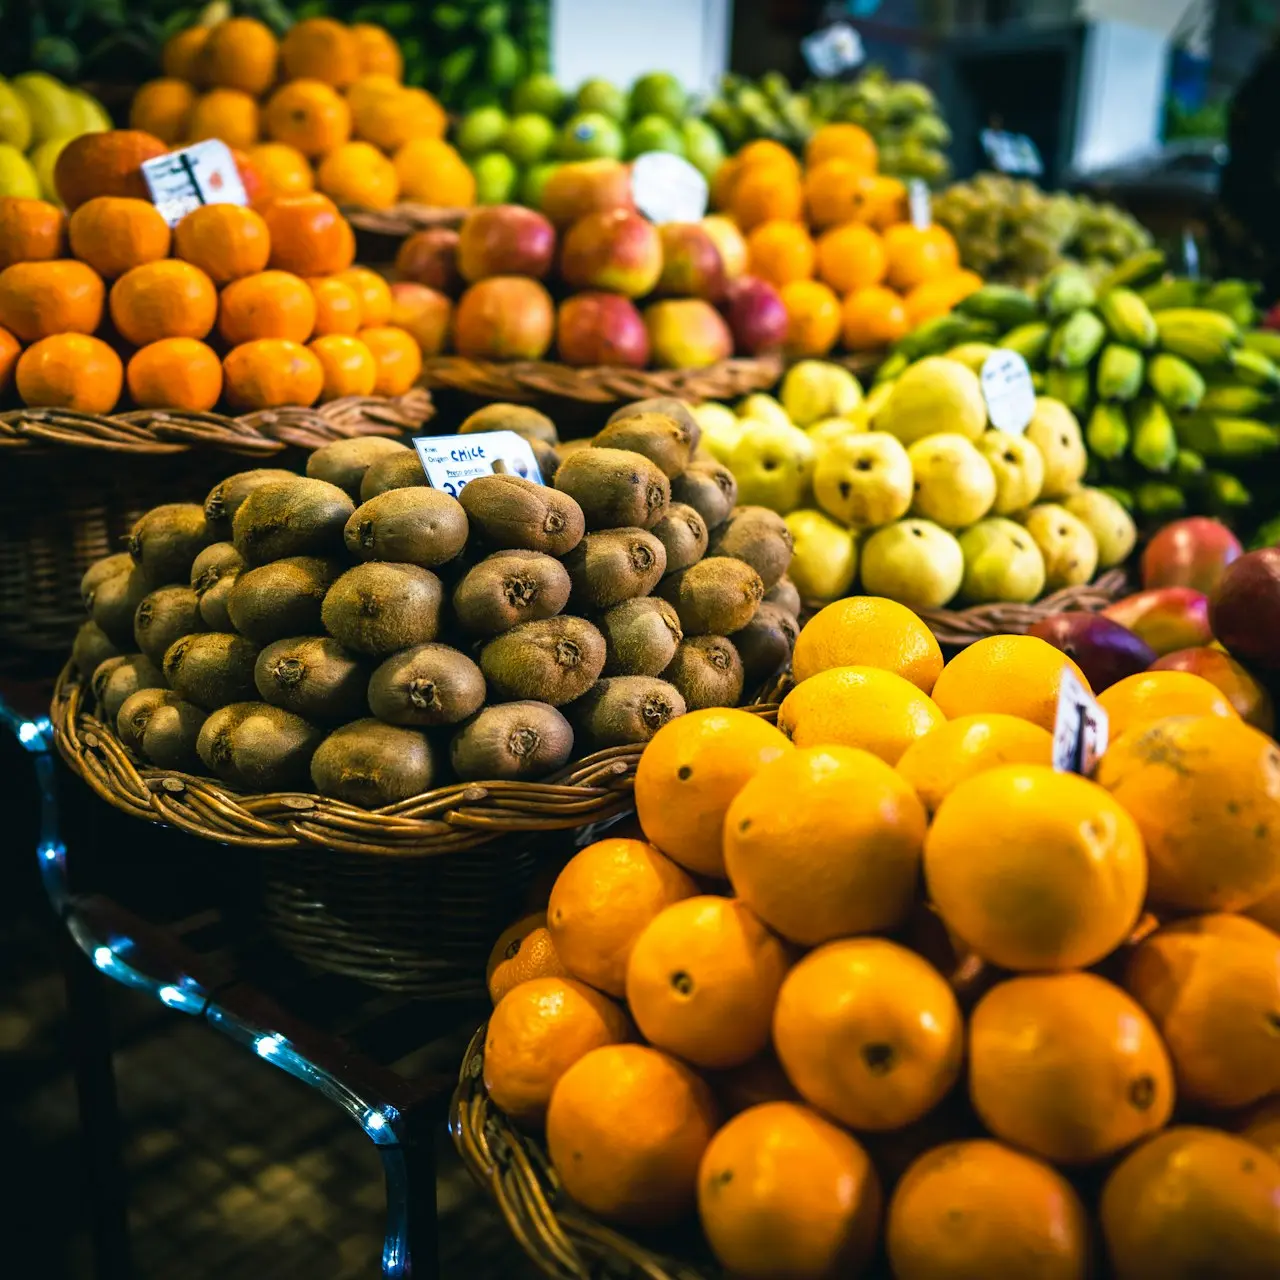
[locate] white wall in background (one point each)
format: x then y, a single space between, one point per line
622 39
1121 91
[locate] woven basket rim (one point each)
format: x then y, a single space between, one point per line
403 218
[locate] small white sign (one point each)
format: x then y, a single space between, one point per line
203 173
833 50
1011 152
1080 730
452 461
1009 392
668 188
920 204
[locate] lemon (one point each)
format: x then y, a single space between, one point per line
17 177
92 114
15 123
936 395
53 111
43 158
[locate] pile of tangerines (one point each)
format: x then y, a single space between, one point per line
881 987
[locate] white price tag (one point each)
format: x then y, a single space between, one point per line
1009 392
920 204
668 188
833 50
452 461
203 173
1080 729
1011 152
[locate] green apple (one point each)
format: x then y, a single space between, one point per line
1111 525
539 95
1070 551
653 133
1055 431
864 479
703 147
1001 563
814 389
659 93
773 465
1019 470
481 130
528 138
830 430
824 556
954 484
601 97
589 135
915 562
496 177
721 429
934 395
765 407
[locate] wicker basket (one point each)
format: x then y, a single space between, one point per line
402 219
72 484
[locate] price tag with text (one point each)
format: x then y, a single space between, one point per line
833 50
451 462
203 173
1080 729
668 188
1009 392
920 204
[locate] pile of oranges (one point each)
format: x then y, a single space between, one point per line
881 982
325 107
252 307
832 236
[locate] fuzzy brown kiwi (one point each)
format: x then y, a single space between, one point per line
378 608
511 513
668 405
760 538
165 541
426 685
370 764
519 418
169 738
709 488
212 669
683 532
624 709
547 458
345 462
393 471
258 748
615 488
281 599
225 497
136 710
135 672
783 593
716 596
516 740
314 677
661 438
115 601
213 574
614 565
640 637
553 661
409 526
297 517
91 648
164 616
103 672
510 587
765 643
708 673
99 572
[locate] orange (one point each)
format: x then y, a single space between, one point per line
702 979
320 49
1205 792
39 299
766 193
337 306
308 235
1211 985
349 367
848 142
601 901
939 296
872 319
374 294
113 234
760 1080
70 371
182 55
869 1033
626 1129
224 240
1035 869
765 153
960 749
835 192
1067 1066
271 372
851 257
858 706
824 842
397 356
163 108
1137 700
378 51
523 951
30 230
1016 675
227 114
422 312
537 1032
917 254
884 202
10 350
105 164
1250 698
979 1209
690 772
1261 1126
309 116
166 299
1266 910
431 172
175 373
240 53
389 115
270 304
357 173
1193 1202
782 1192
284 170
813 318
780 252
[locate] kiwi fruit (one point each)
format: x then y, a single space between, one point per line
614 565
91 648
296 517
99 572
213 574
783 593
212 669
553 661
640 637
622 710
136 710
511 513
103 672
510 587
615 488
683 532
344 462
393 471
759 537
170 734
428 684
410 526
525 739
709 488
281 599
115 601
519 418
258 747
165 541
662 439
379 608
716 596
765 643
708 673
314 677
371 764
164 616
224 498
125 677
667 405
547 458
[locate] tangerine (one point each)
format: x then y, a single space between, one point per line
813 318
309 116
357 173
397 356
40 299
320 49
165 299
337 306
780 252
872 319
373 292
842 141
225 241
240 53
30 230
308 235
175 373
10 350
105 164
523 951
284 170
917 254
270 373
162 108
431 172
270 304
834 192
1137 700
379 53
227 114
850 257
349 367
70 371
181 58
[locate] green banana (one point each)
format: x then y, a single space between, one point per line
999 302
1165 294
1226 492
1188 464
1038 383
1077 340
933 336
1236 399
1179 385
1123 496
1203 337
1219 436
1128 319
1107 432
1030 341
1155 444
1158 499
891 367
1071 386
1265 340
1138 268
1064 290
1233 298
1119 372
1254 368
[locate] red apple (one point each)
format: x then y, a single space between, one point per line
601 328
617 251
1167 618
1104 650
586 186
687 333
430 257
505 240
691 263
1189 553
424 313
756 315
1220 669
1246 609
504 318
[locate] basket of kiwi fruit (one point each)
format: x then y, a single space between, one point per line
357 674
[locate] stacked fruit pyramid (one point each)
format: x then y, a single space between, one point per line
903 999
325 626
39 115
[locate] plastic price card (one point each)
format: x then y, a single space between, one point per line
1080 729
452 462
1009 392
203 173
667 188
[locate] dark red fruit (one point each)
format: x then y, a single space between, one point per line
1104 650
1244 611
1189 553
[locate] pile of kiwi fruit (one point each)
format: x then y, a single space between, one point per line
358 633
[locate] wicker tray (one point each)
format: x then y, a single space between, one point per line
402 219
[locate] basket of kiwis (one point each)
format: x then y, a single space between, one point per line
358 674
